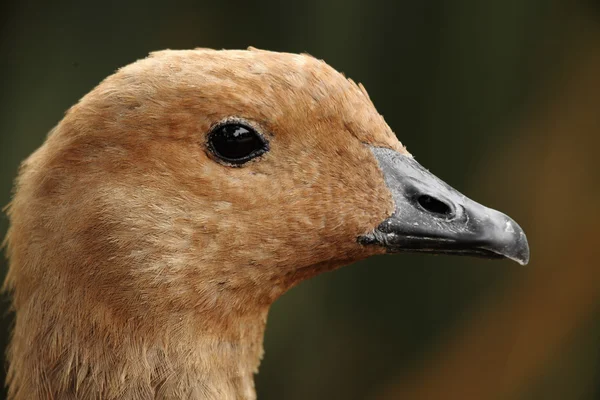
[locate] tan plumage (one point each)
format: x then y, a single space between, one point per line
143 264
140 268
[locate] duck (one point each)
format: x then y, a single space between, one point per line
177 200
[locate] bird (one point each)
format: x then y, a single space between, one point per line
177 200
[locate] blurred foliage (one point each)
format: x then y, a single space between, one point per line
498 98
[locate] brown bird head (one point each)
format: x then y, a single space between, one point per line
203 184
206 176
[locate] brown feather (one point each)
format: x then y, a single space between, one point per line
140 268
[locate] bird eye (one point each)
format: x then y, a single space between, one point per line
236 143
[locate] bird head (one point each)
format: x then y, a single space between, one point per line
203 180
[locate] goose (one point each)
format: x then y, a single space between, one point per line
176 201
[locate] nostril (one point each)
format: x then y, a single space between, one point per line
434 206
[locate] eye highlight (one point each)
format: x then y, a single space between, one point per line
236 142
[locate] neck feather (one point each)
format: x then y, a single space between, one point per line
81 352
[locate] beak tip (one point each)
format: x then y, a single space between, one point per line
505 237
516 246
522 250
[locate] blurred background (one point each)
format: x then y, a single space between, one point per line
500 98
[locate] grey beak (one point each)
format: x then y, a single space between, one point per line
432 217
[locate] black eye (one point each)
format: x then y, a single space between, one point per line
236 143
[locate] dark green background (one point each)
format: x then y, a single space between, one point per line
454 80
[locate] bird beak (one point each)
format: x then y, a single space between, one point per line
432 217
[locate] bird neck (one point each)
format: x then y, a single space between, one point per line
95 355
